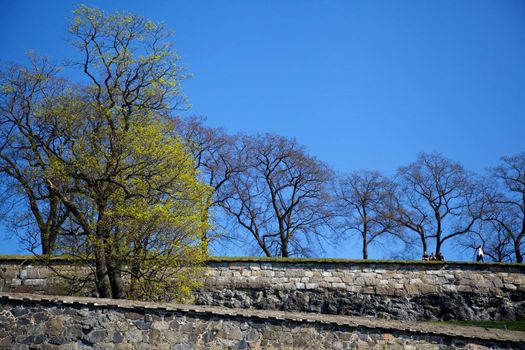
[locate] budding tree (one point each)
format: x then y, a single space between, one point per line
134 204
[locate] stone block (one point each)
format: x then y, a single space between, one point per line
16 282
371 281
385 290
36 282
359 281
411 289
34 272
510 286
369 275
287 286
400 292
368 290
332 279
427 289
449 288
267 273
295 273
227 273
464 288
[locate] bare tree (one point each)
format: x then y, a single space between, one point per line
217 157
509 202
436 199
495 240
281 197
362 203
25 92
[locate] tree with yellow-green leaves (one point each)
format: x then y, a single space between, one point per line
104 152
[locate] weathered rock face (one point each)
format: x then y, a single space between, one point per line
407 291
80 323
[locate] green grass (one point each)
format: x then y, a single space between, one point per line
508 325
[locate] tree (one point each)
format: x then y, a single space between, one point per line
509 202
496 242
281 197
362 202
129 186
217 157
25 92
436 199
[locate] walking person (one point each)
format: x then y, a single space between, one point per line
479 254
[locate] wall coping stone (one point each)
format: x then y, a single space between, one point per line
290 261
471 333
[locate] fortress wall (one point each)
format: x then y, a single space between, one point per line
398 290
385 289
40 322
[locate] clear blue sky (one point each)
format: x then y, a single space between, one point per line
363 84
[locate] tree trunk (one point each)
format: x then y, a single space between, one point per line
438 247
423 241
363 234
365 248
45 242
284 249
102 280
115 280
517 251
204 234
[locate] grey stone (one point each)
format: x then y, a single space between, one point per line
142 325
95 336
18 311
117 337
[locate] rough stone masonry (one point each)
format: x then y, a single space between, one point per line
396 290
48 323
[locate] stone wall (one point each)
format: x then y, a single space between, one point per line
37 322
397 290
